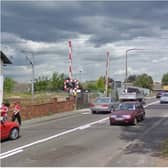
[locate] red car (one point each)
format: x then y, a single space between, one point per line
9 130
127 113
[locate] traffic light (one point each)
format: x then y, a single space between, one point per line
71 84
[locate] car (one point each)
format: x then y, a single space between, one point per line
9 130
164 98
102 104
158 95
127 113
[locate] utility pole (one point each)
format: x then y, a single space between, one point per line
31 62
107 73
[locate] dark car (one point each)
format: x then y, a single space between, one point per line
102 104
127 113
158 95
8 130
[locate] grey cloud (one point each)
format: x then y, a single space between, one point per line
59 21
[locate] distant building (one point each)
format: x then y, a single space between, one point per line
157 86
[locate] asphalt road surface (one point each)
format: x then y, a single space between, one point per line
80 138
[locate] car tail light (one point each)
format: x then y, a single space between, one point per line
91 105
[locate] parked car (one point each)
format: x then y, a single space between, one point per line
127 113
8 130
164 98
102 104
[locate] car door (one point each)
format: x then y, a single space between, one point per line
4 130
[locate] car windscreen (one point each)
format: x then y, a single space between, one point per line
165 94
126 106
102 100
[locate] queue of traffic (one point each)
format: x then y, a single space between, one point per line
129 109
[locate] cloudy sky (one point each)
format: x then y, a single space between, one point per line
43 28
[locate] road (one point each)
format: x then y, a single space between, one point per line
80 138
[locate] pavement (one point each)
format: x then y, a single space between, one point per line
55 116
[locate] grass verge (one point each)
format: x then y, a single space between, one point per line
165 148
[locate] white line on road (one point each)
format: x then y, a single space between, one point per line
152 103
51 137
84 127
20 149
86 113
10 154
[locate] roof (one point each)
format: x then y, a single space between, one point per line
5 59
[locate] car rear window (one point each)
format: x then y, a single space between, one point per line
102 100
126 106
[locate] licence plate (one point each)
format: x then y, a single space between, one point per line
119 119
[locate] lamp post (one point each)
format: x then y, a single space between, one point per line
31 62
33 72
126 63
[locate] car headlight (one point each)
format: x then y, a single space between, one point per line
126 116
113 116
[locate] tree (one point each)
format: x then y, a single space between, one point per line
144 81
91 86
100 83
165 79
56 82
9 84
131 78
41 84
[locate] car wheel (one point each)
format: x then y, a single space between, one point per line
93 112
14 134
143 117
135 122
111 123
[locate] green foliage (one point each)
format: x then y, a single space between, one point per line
9 85
131 78
100 84
91 86
55 83
144 81
165 79
165 148
41 84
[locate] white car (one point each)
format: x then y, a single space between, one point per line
164 98
102 104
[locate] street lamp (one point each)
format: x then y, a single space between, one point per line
31 62
126 63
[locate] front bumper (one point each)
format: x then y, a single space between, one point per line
121 120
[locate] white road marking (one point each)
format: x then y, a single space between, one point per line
49 138
152 103
10 154
86 113
84 127
20 149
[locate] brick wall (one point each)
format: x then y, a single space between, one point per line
45 109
